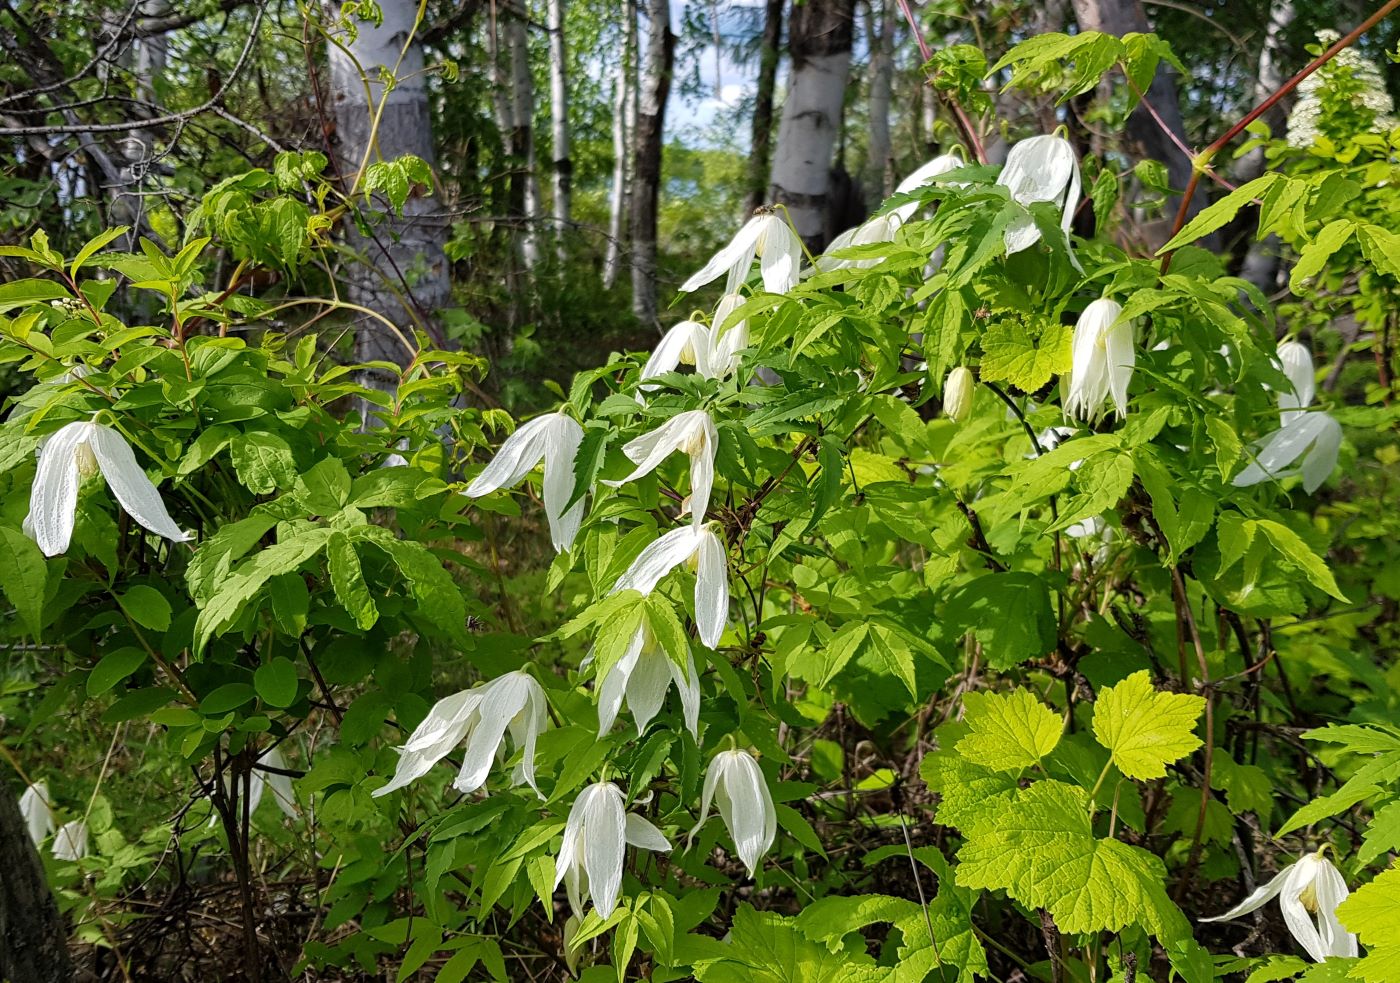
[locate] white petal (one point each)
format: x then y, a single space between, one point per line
1321 458
686 338
1259 897
711 588
659 558
130 485
1297 364
53 500
441 730
604 843
37 812
712 779
281 785
614 685
650 449
1285 445
1299 922
752 819
780 256
519 454
1122 355
1331 890
525 729
643 835
560 451
688 685
569 848
501 700
647 686
737 254
70 842
702 470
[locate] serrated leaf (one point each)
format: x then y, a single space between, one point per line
1315 254
263 462
966 790
1009 613
1009 355
1143 729
1373 911
1009 731
348 582
1217 214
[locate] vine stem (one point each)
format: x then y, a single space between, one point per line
1202 160
959 115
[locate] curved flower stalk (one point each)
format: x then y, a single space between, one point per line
553 438
688 544
81 450
692 432
1297 363
71 841
735 784
882 228
1042 168
766 236
643 676
1308 894
1102 362
1312 436
37 812
481 716
713 350
595 840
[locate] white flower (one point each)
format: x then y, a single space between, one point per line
712 350
595 838
482 715
736 785
1101 363
36 811
553 438
643 675
692 432
769 238
1041 168
958 390
882 228
81 450
1297 363
70 842
1313 436
280 784
688 544
1308 893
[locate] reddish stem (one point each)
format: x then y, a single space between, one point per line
961 117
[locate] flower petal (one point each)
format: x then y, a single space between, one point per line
613 687
686 338
711 588
780 256
737 254
659 558
1297 364
712 780
71 840
753 821
519 454
441 730
650 449
1321 458
1299 922
1331 890
561 444
53 499
281 785
702 470
688 685
643 835
647 686
501 700
130 485
604 844
1259 897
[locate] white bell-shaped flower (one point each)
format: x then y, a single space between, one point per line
697 545
766 236
643 676
1308 894
260 780
81 450
71 841
1042 168
595 840
481 716
1102 362
882 228
553 438
1313 436
712 349
37 812
736 786
692 432
1297 363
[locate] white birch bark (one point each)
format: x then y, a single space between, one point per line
879 169
653 89
522 98
624 125
559 128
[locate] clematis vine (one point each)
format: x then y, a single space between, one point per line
480 716
643 676
692 432
882 228
688 544
1101 362
553 438
596 835
712 349
766 236
1308 894
1297 363
1042 168
80 450
1310 438
37 813
71 841
735 784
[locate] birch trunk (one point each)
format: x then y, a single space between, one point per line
624 126
397 243
1261 262
653 90
522 133
819 37
761 142
33 937
559 128
878 179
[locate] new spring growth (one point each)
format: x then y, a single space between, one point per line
958 391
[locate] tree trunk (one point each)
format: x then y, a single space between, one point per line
33 938
559 129
624 126
819 37
1261 262
878 179
761 142
396 243
647 140
522 132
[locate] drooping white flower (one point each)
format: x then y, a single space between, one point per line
736 785
882 228
1297 363
280 785
692 432
958 390
1042 168
766 236
81 450
643 676
595 838
711 348
36 811
1313 436
1308 894
481 716
688 544
553 438
71 841
1101 362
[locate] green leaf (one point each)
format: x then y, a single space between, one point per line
1314 255
1009 355
22 293
263 462
23 577
1217 214
112 668
1299 555
1042 851
1143 729
147 607
878 648
324 489
1009 732
276 682
93 245
1382 835
1373 911
965 790
1009 613
348 581
224 607
765 947
1328 805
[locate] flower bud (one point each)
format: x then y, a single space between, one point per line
958 391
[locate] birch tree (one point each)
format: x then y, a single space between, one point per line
653 89
819 38
624 124
879 165
559 127
760 152
522 132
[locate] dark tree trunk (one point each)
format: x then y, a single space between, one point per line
33 938
761 152
657 63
